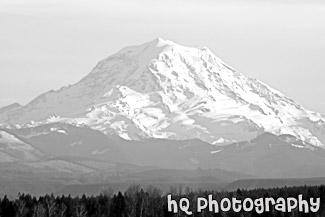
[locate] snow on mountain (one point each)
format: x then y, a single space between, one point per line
164 90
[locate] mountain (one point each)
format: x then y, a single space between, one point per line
66 140
60 157
164 90
272 156
82 160
13 149
266 156
83 144
67 159
18 154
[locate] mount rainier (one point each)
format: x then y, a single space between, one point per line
164 90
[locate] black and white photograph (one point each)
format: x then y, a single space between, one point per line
148 108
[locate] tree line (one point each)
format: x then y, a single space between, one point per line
148 202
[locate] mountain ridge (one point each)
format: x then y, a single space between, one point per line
266 156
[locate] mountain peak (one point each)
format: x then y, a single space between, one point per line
160 42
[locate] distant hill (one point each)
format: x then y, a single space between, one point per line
273 183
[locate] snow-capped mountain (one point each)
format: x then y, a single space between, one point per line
164 90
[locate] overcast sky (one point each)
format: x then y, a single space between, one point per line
45 45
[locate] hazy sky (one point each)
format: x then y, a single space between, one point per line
48 44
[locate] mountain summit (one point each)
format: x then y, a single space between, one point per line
161 89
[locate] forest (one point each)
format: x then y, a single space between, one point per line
150 202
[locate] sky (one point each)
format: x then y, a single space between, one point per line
47 44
